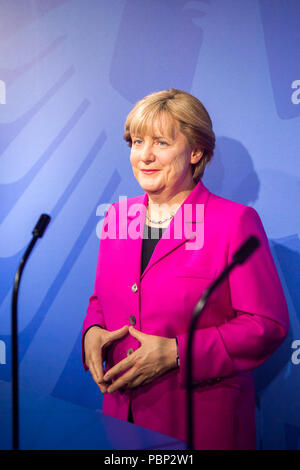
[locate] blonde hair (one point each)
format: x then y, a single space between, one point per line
162 108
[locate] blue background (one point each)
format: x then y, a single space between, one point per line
72 71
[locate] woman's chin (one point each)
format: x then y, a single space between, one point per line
149 185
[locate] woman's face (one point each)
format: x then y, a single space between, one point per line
162 164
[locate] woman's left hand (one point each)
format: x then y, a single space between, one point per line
154 357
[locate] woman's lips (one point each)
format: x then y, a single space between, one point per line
148 172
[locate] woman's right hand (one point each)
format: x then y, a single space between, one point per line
95 340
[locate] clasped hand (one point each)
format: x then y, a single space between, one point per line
154 357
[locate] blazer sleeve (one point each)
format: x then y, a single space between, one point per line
261 322
94 315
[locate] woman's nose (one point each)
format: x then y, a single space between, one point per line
147 153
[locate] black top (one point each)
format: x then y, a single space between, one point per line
151 236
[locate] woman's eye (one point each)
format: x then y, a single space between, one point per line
137 142
162 143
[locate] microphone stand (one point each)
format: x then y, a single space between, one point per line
251 244
37 232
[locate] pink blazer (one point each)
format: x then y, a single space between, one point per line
243 324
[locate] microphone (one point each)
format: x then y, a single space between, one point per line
250 245
41 225
239 257
37 232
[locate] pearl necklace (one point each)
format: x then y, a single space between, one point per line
161 221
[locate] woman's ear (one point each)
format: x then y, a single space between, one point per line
196 155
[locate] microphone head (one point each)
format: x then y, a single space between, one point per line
247 248
41 225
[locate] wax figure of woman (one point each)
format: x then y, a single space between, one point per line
146 289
